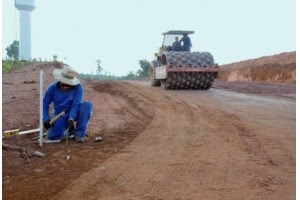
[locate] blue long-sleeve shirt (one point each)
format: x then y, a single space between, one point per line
186 41
67 101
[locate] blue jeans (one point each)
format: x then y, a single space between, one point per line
82 120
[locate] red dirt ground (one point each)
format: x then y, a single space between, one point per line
118 121
235 141
279 68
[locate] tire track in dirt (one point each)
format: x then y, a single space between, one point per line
241 133
249 142
226 120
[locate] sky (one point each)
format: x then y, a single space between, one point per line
122 32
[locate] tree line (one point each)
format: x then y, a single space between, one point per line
101 74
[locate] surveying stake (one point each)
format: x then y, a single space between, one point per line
41 107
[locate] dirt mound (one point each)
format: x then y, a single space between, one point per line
279 68
20 87
118 117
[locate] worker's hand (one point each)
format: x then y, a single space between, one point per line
47 124
71 125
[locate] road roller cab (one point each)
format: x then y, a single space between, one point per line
176 67
169 39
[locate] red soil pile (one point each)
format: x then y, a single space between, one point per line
280 68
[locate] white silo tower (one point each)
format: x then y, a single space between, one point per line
25 7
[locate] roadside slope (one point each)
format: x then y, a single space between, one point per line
280 68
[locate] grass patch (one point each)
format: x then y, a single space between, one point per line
9 65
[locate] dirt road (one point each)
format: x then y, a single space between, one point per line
214 144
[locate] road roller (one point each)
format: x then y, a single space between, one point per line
177 68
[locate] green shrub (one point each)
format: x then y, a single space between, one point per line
8 65
5 67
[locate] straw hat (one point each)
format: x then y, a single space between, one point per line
66 75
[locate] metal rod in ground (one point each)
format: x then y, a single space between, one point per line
41 108
67 137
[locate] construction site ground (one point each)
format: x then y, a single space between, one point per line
234 141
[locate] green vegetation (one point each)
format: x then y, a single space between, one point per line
99 68
141 73
101 74
145 66
13 50
108 76
8 65
55 58
11 62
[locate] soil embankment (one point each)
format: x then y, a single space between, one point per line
279 68
118 117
